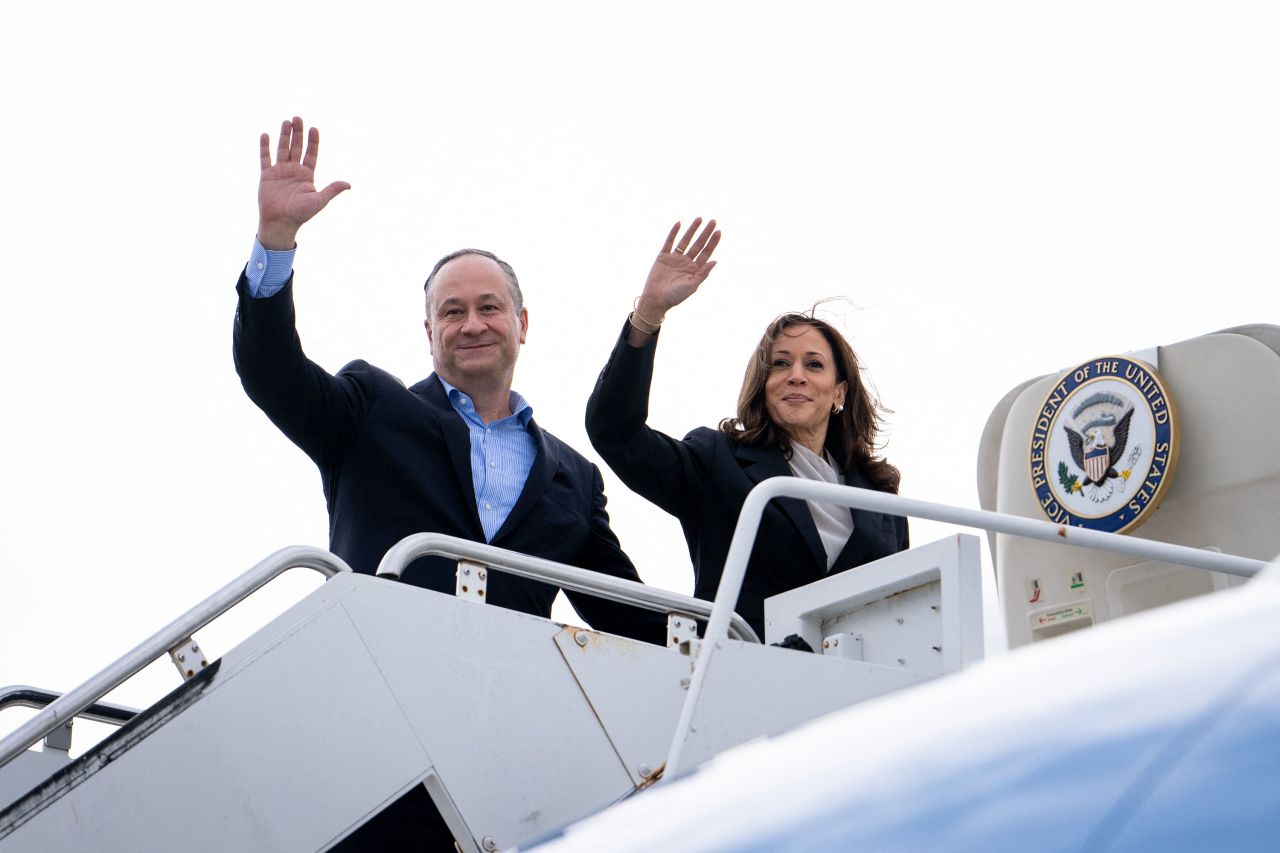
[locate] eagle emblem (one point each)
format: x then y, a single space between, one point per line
1099 436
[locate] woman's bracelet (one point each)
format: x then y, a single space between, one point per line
636 315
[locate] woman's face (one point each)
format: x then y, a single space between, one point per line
802 387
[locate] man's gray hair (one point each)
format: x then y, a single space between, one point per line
513 283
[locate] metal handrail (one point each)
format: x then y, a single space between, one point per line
571 578
744 535
24 696
75 701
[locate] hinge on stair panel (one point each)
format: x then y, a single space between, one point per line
188 658
473 580
682 633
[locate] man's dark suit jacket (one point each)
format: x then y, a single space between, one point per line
704 480
396 461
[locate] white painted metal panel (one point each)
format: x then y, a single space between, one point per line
919 610
284 752
753 691
638 713
486 690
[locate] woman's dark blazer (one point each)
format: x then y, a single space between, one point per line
704 480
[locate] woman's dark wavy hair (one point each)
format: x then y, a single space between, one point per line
851 435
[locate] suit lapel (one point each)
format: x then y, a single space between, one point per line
544 467
866 528
457 439
759 464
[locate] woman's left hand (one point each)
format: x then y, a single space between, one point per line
678 269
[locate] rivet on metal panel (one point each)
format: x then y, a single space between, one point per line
902 661
684 684
580 638
934 608
645 771
899 620
481 574
488 843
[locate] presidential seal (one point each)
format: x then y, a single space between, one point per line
1104 445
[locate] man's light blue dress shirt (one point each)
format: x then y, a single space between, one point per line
502 451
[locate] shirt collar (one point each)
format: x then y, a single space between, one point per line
463 404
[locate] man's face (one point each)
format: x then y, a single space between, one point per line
474 330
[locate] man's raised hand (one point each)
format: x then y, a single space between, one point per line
287 195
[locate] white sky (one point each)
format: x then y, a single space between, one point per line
999 189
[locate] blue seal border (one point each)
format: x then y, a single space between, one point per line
1143 379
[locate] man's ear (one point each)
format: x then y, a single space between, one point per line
524 323
430 341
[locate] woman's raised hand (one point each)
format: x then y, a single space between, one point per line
677 271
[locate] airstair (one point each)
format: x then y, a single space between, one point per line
368 691
514 725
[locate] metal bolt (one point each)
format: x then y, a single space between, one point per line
488 843
194 647
480 574
465 570
675 623
182 657
645 771
580 638
826 644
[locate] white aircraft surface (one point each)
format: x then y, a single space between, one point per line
1156 732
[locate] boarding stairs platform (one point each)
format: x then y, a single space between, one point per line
515 725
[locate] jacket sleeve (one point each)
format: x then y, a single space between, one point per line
602 553
317 411
653 465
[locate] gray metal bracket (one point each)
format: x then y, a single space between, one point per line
188 658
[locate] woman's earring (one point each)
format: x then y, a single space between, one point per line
837 408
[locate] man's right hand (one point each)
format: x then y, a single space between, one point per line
287 195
